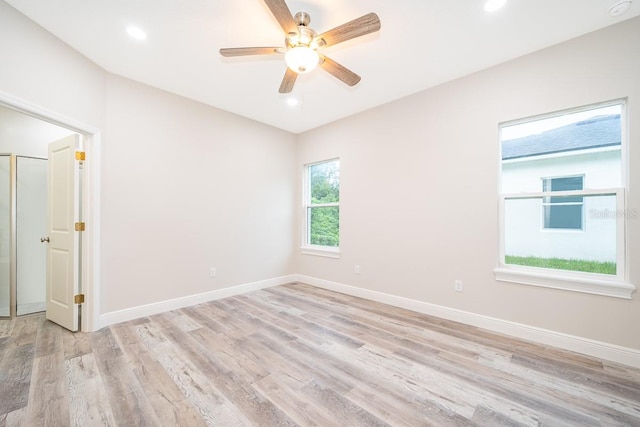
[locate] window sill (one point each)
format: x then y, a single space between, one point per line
590 284
325 251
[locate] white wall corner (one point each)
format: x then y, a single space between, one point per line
132 313
602 350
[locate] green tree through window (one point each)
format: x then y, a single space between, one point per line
323 210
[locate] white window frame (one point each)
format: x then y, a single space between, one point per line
306 247
592 283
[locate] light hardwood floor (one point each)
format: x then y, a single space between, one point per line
299 355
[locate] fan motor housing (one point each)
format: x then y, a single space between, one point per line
302 18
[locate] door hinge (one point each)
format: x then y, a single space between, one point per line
78 299
79 226
80 155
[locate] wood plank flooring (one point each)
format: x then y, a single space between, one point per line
299 355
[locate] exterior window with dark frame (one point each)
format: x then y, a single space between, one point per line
563 212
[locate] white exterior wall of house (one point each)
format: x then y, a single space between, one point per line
525 233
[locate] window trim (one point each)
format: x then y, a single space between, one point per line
591 283
306 247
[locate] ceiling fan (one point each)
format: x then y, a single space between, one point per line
303 45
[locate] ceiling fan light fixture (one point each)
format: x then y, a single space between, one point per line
302 59
303 44
293 39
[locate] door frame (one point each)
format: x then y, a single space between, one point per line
90 203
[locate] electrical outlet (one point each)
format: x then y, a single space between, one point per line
356 269
457 285
212 272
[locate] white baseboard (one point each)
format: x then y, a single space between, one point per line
173 304
602 350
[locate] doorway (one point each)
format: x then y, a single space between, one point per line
23 196
25 131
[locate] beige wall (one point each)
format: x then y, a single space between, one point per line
187 187
419 182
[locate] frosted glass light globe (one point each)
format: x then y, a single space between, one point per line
301 59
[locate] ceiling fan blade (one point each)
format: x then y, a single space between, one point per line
242 51
282 13
288 81
338 71
358 27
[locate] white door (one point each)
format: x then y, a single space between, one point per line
62 249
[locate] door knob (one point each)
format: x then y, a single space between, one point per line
44 239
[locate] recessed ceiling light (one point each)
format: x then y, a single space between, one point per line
136 33
620 8
493 5
292 102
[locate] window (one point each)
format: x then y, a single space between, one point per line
563 212
562 206
322 208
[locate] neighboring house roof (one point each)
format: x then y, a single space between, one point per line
600 131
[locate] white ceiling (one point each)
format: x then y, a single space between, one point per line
422 43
